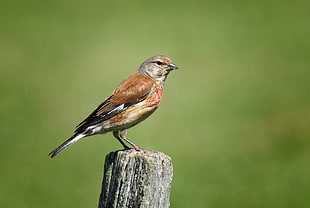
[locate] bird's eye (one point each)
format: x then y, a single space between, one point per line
159 63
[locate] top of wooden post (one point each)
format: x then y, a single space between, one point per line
136 179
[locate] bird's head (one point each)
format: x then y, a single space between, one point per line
157 67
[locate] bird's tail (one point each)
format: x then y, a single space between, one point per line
66 144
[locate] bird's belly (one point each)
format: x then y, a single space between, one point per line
130 117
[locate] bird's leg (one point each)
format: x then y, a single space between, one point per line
119 138
123 134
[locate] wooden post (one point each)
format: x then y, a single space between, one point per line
135 179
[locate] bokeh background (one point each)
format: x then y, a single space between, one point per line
235 117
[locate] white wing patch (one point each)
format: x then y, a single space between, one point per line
120 107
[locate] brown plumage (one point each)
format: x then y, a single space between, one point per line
131 102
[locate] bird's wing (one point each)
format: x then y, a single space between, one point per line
129 92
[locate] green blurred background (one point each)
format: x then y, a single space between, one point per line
235 117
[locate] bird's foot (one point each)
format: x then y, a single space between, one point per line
138 149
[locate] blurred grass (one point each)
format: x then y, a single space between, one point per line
235 117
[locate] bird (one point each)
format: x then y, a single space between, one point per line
132 101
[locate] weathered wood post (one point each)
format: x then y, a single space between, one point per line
135 179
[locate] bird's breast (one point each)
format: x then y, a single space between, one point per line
155 96
137 112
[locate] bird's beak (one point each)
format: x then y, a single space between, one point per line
172 66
